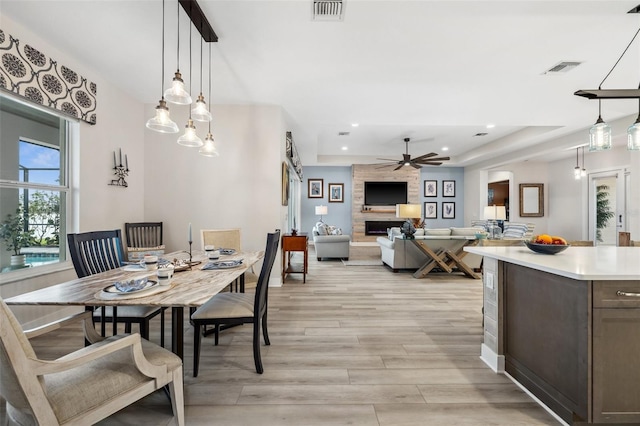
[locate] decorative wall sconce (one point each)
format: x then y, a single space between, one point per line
120 170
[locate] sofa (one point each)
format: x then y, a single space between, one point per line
398 253
330 242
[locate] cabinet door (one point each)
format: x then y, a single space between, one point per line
616 365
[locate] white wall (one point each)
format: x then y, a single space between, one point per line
239 189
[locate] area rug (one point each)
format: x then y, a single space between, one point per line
365 262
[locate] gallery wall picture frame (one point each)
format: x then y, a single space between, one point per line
448 210
448 188
430 188
430 210
336 192
315 188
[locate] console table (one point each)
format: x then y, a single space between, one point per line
291 243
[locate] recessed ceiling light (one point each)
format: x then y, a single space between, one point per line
344 148
354 125
490 126
444 148
343 133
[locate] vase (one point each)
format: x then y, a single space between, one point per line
18 261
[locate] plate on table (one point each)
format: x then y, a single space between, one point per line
111 289
546 248
222 264
227 251
134 268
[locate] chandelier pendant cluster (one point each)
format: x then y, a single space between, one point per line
177 93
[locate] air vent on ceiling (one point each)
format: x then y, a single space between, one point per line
328 10
344 133
481 134
564 66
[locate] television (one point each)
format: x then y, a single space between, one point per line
385 193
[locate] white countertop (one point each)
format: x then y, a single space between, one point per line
580 263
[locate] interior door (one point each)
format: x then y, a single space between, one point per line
607 207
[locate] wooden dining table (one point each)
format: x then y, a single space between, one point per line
188 289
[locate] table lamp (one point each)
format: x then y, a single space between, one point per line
413 214
492 214
321 210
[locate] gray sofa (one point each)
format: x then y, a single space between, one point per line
330 243
398 253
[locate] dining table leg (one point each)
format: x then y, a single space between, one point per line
177 331
114 318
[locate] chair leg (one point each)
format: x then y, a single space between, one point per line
176 390
127 327
216 333
264 329
144 329
256 347
197 338
162 327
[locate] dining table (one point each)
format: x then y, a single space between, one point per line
188 288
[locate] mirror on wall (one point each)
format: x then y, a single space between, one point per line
531 200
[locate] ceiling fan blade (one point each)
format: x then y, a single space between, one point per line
385 165
437 163
399 167
432 159
387 159
422 157
415 165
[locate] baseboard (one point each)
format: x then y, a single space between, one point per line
537 400
492 359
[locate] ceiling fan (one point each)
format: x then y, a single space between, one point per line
430 159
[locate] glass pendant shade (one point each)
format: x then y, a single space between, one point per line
600 136
577 173
190 138
176 93
583 172
199 112
633 136
162 122
209 147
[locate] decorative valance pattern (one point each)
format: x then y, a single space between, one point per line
292 154
29 73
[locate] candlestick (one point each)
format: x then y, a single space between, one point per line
190 258
126 160
120 157
114 160
190 239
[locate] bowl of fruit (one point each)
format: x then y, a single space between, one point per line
547 244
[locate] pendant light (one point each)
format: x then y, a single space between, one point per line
600 133
162 122
209 147
189 138
176 93
576 169
583 172
633 134
199 112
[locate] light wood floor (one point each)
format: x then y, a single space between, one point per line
356 345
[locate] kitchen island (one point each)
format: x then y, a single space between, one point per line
567 328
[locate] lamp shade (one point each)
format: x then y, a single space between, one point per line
495 213
322 210
408 211
600 136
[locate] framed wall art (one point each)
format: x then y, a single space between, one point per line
448 188
430 188
315 189
448 210
336 192
285 184
430 210
532 200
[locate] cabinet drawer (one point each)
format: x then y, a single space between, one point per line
616 294
294 243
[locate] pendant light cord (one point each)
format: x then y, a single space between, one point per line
201 62
620 58
178 49
190 65
162 81
210 86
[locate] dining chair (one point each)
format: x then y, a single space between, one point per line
227 238
84 386
100 251
143 234
239 308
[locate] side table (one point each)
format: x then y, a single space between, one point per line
291 243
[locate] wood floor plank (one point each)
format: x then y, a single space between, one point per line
354 345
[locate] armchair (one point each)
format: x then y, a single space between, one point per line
85 386
330 243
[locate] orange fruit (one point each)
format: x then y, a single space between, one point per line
545 239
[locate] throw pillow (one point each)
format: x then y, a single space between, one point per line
514 230
321 228
334 230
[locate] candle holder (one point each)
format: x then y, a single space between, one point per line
120 170
190 258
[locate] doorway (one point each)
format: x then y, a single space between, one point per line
498 195
607 207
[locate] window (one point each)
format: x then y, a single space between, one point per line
34 187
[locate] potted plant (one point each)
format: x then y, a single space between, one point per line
15 237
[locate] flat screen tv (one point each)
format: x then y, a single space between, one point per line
385 193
